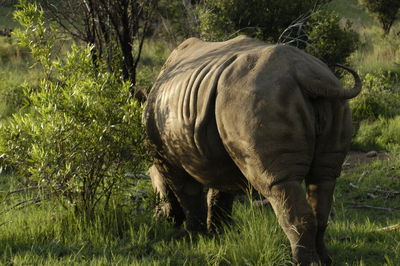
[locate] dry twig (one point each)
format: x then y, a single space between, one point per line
23 204
392 192
21 190
371 207
390 228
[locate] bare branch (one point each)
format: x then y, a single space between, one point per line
23 204
21 190
371 207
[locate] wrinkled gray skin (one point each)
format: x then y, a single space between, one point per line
227 115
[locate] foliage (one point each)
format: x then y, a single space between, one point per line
264 19
115 30
319 33
177 20
387 11
38 37
328 41
81 132
378 98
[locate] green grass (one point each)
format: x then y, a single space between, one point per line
378 52
48 235
355 233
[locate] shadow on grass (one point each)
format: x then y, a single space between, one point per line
157 246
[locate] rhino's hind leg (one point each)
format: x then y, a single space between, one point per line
296 218
168 206
219 209
320 187
319 195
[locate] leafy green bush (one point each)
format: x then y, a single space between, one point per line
378 98
213 26
264 19
328 41
319 34
81 131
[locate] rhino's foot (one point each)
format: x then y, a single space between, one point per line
176 219
304 258
221 227
183 234
324 256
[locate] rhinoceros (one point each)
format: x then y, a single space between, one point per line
229 115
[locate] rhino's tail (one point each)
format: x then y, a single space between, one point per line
350 93
318 81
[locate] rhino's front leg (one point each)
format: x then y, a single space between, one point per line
168 207
184 195
191 197
219 209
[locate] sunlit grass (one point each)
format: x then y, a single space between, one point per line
378 52
49 235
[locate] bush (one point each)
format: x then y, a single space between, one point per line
378 98
328 41
264 19
319 34
213 26
81 131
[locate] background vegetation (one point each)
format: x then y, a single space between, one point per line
72 150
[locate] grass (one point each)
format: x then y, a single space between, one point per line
378 52
48 235
355 233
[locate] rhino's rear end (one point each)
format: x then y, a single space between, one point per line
222 113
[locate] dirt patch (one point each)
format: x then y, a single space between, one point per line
355 158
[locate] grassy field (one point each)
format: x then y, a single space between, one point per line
366 204
48 235
376 52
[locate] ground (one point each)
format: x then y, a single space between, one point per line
356 158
